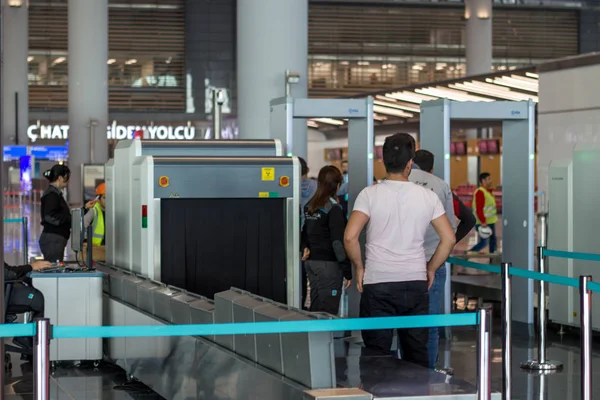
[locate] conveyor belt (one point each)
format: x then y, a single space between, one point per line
193 367
390 378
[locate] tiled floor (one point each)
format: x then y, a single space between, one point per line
105 383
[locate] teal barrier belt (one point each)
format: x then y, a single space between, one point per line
594 287
15 330
538 276
354 324
523 273
470 264
13 220
571 254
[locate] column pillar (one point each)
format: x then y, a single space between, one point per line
88 88
478 14
15 21
272 37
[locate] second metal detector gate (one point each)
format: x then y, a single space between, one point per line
518 152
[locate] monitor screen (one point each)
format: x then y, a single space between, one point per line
493 146
334 154
483 147
14 152
379 152
460 148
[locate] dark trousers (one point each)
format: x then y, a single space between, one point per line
25 299
53 246
483 242
326 280
394 299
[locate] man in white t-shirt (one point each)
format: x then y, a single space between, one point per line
396 278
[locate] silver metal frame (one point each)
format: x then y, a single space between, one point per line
586 337
42 359
359 113
506 332
542 364
518 122
484 359
294 291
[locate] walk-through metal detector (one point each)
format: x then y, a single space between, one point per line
359 113
518 152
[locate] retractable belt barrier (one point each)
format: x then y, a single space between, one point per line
14 220
246 328
43 332
571 254
585 286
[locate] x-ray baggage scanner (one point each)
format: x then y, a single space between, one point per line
211 223
518 152
206 223
119 169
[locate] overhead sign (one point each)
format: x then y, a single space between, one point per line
114 131
55 153
14 152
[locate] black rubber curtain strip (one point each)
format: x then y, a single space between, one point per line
210 245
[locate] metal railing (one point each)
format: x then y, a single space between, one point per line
42 331
542 364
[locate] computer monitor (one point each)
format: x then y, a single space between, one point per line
460 148
493 146
483 146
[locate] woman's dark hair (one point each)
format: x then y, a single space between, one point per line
303 166
398 150
56 171
327 185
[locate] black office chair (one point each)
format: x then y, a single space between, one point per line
9 319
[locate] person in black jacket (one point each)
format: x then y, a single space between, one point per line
322 244
56 215
465 216
23 297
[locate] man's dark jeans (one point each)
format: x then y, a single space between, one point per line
393 299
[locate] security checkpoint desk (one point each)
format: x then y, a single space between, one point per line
72 299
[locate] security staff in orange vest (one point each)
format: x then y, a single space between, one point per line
484 208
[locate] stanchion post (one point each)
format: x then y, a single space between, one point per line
484 389
25 240
506 333
542 308
541 364
585 296
42 359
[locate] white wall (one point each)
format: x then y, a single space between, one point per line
568 113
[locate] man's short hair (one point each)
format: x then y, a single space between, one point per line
398 150
424 159
303 166
483 175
